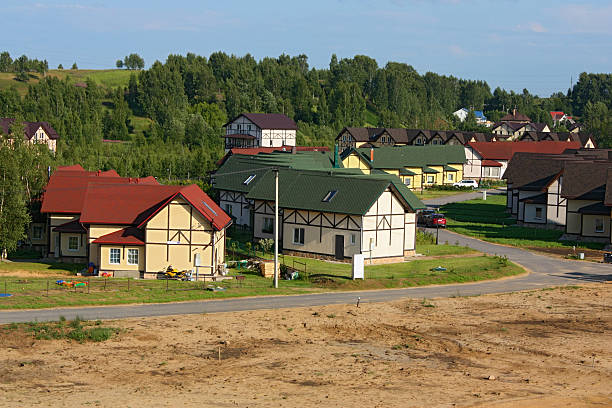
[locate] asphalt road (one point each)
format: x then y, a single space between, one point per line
544 272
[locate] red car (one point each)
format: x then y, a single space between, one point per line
436 220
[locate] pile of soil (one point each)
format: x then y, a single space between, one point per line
528 349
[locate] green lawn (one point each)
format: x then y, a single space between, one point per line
433 193
489 221
442 250
109 78
319 276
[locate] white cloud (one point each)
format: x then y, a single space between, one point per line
534 27
457 51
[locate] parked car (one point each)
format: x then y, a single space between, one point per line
466 183
423 214
436 220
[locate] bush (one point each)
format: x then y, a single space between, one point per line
425 238
266 245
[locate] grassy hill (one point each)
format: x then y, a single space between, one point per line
109 78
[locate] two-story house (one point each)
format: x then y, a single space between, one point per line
34 132
260 130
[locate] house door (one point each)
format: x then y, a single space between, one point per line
340 247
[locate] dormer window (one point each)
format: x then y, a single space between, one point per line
329 196
249 179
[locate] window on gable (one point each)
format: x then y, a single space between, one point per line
249 179
328 197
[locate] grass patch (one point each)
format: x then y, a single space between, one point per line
78 330
46 268
320 277
428 194
489 221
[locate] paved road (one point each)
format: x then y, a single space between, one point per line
437 202
545 272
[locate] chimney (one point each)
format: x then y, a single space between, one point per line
514 112
371 154
336 157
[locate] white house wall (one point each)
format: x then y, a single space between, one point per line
556 211
472 166
277 137
383 228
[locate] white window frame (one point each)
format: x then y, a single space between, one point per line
116 251
300 236
353 239
407 181
450 176
432 178
130 256
228 209
70 240
541 213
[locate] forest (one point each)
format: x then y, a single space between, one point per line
169 117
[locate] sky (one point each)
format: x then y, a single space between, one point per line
540 45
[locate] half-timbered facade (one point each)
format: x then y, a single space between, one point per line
260 130
338 215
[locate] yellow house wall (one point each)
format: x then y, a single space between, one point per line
56 220
82 249
176 234
574 220
588 226
96 231
353 161
104 257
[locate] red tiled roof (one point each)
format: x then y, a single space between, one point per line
67 186
131 204
71 226
268 120
125 236
505 150
491 163
556 114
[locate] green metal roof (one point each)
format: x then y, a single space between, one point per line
449 168
305 190
238 168
406 172
396 157
429 170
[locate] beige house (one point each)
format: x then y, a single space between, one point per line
260 130
132 227
34 132
335 216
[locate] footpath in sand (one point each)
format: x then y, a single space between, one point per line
528 349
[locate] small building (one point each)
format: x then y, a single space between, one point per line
34 132
489 160
416 166
334 215
249 130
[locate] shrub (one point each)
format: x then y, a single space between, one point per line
425 238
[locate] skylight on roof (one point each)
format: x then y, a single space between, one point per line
328 197
249 179
209 207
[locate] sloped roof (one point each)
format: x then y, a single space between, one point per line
515 117
395 157
491 163
74 226
237 168
257 150
596 209
268 120
581 177
124 236
67 186
30 128
355 195
505 150
556 115
129 204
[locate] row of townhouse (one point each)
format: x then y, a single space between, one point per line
324 211
417 167
34 132
129 226
571 192
356 137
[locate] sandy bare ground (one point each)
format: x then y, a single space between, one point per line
530 349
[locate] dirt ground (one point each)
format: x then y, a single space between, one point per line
529 349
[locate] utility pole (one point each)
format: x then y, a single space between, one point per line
275 228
